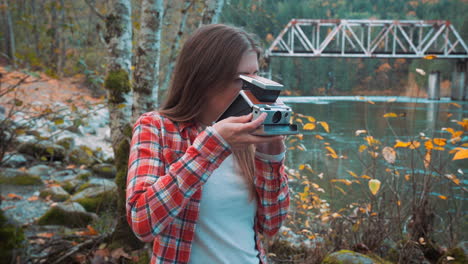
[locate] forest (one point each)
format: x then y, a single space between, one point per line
75 75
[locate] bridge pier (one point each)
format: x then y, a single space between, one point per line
433 87
459 89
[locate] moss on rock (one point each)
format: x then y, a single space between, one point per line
56 193
69 214
68 143
17 177
43 150
82 155
351 257
453 256
11 239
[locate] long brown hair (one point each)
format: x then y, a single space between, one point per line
208 60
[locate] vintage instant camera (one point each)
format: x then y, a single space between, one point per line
260 95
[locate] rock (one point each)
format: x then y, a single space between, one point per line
41 170
105 184
453 256
351 257
43 150
12 238
71 180
67 142
96 198
104 170
82 155
57 193
68 214
17 177
14 161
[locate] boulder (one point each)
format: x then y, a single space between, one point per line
67 142
453 256
96 198
43 150
18 177
41 170
351 257
14 160
56 193
67 214
104 170
81 155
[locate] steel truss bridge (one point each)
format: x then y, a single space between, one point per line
369 39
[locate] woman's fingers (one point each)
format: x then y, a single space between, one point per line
254 124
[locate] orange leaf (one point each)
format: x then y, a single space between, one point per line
46 235
309 126
33 198
14 196
442 197
401 144
461 154
319 137
440 141
390 115
325 126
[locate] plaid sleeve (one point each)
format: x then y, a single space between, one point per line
271 184
155 196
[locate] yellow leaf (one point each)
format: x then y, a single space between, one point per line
415 145
464 124
430 57
462 153
311 119
325 126
371 141
456 105
442 197
398 203
401 144
390 115
427 159
319 137
366 177
374 186
298 120
120 106
340 189
332 152
300 136
440 141
370 102
309 126
407 177
347 182
352 174
362 148
301 167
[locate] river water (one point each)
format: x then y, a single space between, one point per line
416 120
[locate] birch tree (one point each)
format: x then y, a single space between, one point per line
212 11
176 44
146 74
10 47
117 83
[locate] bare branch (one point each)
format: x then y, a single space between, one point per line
94 10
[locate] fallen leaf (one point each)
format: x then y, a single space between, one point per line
46 235
462 153
309 126
14 196
390 115
33 198
325 126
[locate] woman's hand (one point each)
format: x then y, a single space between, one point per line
236 131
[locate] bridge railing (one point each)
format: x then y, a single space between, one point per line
369 38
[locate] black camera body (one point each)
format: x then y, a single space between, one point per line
260 95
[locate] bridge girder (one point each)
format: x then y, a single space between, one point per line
369 39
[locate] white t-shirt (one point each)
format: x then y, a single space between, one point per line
224 232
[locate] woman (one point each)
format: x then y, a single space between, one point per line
202 191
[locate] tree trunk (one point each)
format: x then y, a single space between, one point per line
145 78
117 83
10 47
35 31
176 44
212 11
61 34
53 33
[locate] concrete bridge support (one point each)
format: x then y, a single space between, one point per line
433 86
459 84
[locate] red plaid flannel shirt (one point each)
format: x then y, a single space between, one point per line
169 163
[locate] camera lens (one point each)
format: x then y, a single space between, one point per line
276 117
